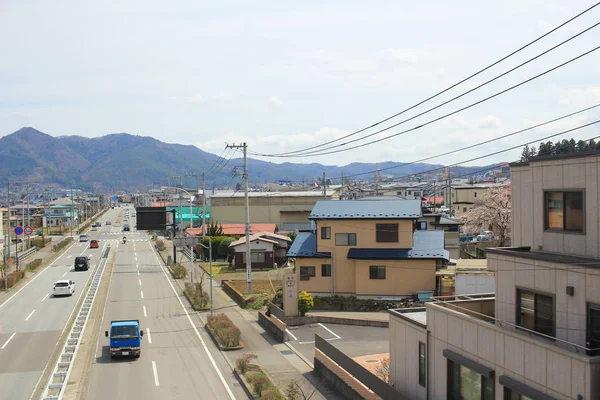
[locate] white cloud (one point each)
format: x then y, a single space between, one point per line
197 98
274 101
489 122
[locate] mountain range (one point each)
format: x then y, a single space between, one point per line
124 162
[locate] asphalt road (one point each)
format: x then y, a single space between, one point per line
354 341
32 320
175 362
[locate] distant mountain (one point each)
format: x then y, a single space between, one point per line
124 161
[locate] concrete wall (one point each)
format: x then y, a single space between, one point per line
528 185
365 234
474 283
404 357
542 276
544 367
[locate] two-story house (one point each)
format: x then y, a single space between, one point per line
367 248
539 336
61 212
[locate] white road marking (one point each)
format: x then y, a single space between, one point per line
155 373
65 273
142 293
9 339
148 334
145 314
210 357
46 296
29 316
140 281
329 330
291 334
138 272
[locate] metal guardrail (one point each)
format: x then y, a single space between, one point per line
60 375
26 253
186 252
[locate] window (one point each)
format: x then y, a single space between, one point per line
325 269
422 365
535 311
510 394
515 390
564 211
326 232
474 194
386 233
421 225
345 239
306 273
464 209
376 272
417 194
593 330
257 257
466 383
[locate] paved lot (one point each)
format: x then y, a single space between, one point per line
353 340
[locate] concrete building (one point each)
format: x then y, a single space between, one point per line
465 196
368 249
450 228
289 210
539 336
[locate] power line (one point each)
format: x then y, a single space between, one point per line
217 161
227 161
453 112
447 89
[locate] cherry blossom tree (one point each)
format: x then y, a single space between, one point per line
492 211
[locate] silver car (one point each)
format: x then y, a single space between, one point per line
64 287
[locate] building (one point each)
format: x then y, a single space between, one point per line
538 337
450 228
289 210
238 229
63 212
268 250
368 249
466 276
463 197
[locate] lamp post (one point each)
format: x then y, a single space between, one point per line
191 226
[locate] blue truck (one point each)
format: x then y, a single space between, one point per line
125 338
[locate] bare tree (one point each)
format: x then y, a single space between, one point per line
492 211
295 391
383 370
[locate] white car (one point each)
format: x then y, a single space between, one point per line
65 287
83 238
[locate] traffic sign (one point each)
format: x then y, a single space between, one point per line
18 230
28 230
186 241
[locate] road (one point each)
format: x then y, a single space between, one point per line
175 362
32 320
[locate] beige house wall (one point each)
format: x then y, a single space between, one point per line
544 367
528 185
549 278
365 234
404 357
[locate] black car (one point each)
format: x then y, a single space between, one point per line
126 228
82 263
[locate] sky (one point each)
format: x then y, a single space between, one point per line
286 76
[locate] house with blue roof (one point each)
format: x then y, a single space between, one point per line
368 248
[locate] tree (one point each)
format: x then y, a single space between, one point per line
214 229
492 211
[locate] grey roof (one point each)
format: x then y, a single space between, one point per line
273 194
305 245
449 221
380 209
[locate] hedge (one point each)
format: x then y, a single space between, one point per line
60 245
197 296
12 278
179 271
34 264
224 331
351 303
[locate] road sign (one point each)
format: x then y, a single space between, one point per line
18 230
186 241
28 230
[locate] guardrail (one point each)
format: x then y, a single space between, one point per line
60 375
26 253
186 252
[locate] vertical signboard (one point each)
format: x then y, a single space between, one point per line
290 294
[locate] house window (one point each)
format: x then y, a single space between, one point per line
593 330
325 269
422 365
398 193
417 194
510 394
376 272
386 233
464 209
474 194
564 211
345 239
325 232
257 257
466 383
306 273
421 225
535 311
516 390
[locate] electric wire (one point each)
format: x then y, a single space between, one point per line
448 88
217 161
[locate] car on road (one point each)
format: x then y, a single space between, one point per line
83 238
82 263
107 223
64 287
126 228
94 244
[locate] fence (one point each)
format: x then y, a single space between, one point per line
359 372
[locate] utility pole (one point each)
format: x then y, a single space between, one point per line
71 213
342 188
324 186
204 205
8 232
244 147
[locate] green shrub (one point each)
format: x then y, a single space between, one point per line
243 362
226 333
160 244
179 271
40 242
305 302
60 245
351 303
259 382
198 297
34 264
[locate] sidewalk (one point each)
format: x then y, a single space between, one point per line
277 358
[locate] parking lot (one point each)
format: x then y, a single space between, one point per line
355 341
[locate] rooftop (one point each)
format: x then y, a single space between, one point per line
273 194
366 209
592 153
305 245
562 258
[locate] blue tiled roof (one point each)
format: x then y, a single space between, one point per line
305 245
373 209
